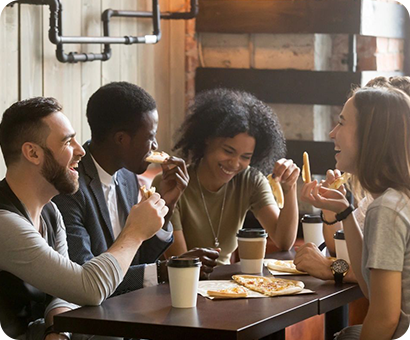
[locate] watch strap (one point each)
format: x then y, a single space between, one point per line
345 213
338 277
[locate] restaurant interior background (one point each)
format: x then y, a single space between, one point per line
299 56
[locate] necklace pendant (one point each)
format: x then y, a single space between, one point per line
216 242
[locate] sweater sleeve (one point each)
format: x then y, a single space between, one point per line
24 253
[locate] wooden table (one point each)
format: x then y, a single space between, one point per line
147 313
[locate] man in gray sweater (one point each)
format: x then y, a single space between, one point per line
36 276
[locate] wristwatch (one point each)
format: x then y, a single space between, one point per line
339 270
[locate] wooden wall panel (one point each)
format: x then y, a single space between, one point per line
162 76
9 85
154 72
63 81
177 65
31 51
111 68
90 72
9 55
128 53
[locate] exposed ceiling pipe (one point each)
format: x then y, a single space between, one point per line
56 35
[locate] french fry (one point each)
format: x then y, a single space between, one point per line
277 191
306 168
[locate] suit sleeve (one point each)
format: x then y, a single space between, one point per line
86 240
73 208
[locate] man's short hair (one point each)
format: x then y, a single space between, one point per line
117 106
23 122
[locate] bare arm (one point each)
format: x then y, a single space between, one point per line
335 201
330 230
178 247
354 241
385 304
330 216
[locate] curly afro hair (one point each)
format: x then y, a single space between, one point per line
226 113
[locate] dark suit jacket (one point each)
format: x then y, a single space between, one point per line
89 230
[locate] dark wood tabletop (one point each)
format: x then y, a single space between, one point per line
147 313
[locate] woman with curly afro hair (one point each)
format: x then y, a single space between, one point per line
232 141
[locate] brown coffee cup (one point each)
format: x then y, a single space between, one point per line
252 247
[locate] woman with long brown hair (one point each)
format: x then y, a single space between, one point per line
372 141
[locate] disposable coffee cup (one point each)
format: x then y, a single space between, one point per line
341 246
252 247
313 229
183 275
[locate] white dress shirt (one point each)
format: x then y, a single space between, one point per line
109 189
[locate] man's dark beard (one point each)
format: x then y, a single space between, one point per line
58 175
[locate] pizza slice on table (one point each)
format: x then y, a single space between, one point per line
286 266
233 292
269 286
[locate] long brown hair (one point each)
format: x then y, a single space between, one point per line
383 123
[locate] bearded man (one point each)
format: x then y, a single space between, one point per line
37 279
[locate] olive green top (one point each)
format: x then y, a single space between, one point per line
246 191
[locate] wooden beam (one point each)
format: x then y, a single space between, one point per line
365 17
287 86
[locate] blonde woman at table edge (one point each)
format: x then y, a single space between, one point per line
308 257
372 140
231 140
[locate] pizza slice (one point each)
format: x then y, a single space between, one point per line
338 182
286 266
158 157
277 191
233 292
147 193
269 286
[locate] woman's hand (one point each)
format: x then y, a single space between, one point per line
286 173
331 176
324 198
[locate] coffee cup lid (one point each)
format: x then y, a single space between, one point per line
311 219
183 262
251 233
339 235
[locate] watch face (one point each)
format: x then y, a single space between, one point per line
340 266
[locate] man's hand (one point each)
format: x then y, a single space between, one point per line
146 218
175 179
208 258
287 173
309 259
